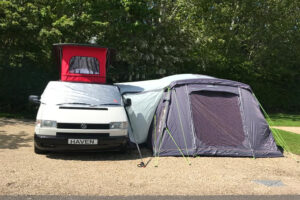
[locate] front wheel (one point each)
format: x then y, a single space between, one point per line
123 148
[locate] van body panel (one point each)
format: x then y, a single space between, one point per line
79 115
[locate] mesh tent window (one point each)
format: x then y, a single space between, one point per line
84 65
217 118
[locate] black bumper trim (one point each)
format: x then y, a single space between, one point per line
78 126
83 135
60 143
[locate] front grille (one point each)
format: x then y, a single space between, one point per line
82 126
82 135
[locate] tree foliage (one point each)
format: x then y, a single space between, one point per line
253 41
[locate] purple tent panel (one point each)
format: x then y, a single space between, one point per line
211 117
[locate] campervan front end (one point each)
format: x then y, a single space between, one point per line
80 116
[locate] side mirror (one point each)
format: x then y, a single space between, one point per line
34 99
127 102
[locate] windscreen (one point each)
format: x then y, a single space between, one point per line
60 93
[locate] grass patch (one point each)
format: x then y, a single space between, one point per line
281 119
292 140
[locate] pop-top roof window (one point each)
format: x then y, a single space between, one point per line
83 65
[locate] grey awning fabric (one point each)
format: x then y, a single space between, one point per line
145 96
157 84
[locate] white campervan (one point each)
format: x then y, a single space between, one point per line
80 116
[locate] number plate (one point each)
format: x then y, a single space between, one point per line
83 141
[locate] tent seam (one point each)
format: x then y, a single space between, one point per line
243 121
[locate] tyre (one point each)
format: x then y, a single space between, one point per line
123 149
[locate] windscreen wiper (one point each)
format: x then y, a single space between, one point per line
74 103
110 104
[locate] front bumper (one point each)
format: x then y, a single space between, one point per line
60 143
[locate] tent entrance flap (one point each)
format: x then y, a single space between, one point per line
217 119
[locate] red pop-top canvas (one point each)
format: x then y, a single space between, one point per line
82 63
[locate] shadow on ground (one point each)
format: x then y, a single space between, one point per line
131 154
14 141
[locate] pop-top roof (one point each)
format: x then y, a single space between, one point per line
82 62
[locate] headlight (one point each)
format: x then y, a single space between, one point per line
119 125
46 123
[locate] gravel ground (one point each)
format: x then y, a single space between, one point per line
108 174
211 197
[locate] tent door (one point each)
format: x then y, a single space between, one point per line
217 118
